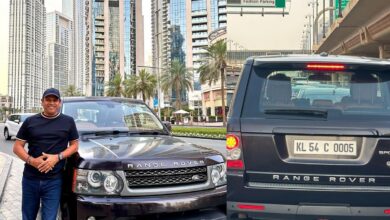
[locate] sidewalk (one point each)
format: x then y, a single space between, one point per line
11 198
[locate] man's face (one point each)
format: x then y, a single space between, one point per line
51 104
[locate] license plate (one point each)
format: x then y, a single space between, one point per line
342 148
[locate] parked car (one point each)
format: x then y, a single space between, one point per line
128 164
13 123
327 158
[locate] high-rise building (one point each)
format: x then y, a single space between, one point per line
27 42
180 30
77 11
59 53
111 40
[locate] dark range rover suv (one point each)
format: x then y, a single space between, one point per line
128 164
313 148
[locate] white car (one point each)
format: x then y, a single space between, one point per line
13 124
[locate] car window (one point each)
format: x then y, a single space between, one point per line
350 93
108 114
24 117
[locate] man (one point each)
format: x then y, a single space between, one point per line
48 135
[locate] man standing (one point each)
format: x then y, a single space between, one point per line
51 137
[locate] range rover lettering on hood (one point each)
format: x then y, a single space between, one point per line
164 164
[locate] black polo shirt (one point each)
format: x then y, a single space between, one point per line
47 135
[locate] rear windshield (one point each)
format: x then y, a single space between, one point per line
301 93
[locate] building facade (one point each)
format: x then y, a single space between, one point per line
180 30
111 41
60 62
76 11
26 58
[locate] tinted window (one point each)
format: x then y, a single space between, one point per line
344 93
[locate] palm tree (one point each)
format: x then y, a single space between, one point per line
130 90
179 78
145 83
115 87
72 91
213 69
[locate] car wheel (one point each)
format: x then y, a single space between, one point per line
6 134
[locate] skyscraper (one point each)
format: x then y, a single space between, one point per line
60 63
111 40
180 30
77 11
27 42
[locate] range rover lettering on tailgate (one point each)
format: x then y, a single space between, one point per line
309 138
128 165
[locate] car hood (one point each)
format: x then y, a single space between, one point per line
143 152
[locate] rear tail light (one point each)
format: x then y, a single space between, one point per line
251 207
325 66
387 211
234 152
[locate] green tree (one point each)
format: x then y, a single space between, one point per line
115 86
213 69
72 91
145 83
179 78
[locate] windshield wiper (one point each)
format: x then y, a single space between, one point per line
151 132
299 112
103 132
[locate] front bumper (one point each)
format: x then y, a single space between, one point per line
117 207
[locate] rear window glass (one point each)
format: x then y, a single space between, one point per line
323 94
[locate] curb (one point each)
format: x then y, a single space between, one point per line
4 174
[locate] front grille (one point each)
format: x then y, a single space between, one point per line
165 177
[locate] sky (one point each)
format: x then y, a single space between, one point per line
271 32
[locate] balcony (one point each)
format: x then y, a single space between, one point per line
202 35
200 43
202 20
99 24
222 3
99 36
199 28
199 13
99 18
99 49
199 51
99 30
222 18
222 10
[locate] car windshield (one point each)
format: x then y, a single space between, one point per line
110 114
340 94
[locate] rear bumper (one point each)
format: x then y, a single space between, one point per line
290 212
304 203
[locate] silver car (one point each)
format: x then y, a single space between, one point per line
13 124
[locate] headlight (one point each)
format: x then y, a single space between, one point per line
94 182
218 174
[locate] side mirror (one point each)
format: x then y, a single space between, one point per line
168 125
17 121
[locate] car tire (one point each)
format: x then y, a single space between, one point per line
6 134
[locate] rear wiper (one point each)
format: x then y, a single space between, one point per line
300 112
